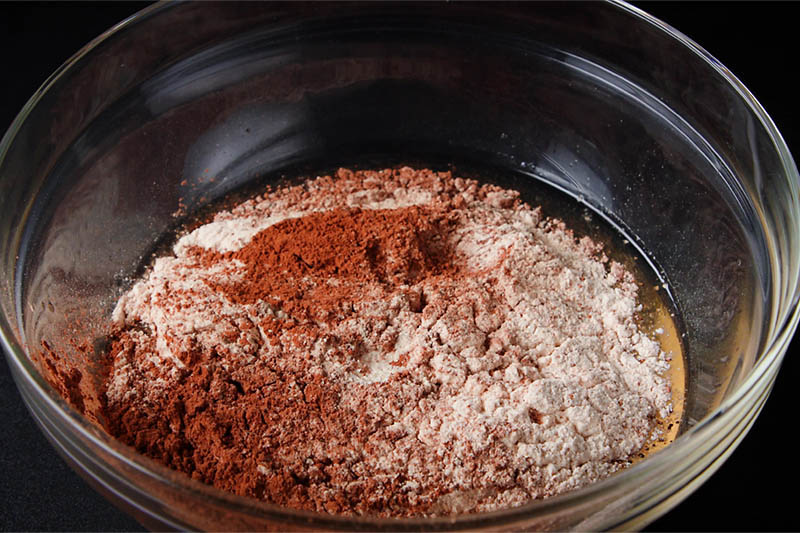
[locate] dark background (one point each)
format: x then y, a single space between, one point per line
755 490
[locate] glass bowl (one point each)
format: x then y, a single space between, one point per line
599 101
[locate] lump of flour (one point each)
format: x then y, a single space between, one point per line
397 343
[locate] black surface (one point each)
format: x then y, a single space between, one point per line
756 41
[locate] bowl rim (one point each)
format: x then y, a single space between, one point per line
777 337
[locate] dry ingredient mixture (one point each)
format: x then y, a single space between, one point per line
398 342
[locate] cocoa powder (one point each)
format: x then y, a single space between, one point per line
356 246
394 343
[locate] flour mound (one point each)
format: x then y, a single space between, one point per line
396 342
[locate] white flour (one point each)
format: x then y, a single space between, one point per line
523 378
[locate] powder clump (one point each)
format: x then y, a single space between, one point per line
398 343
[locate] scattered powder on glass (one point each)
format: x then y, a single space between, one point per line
398 342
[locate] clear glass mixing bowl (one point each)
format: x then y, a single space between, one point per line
598 100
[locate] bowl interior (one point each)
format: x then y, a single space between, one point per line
260 94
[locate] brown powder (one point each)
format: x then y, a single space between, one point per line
357 246
393 342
